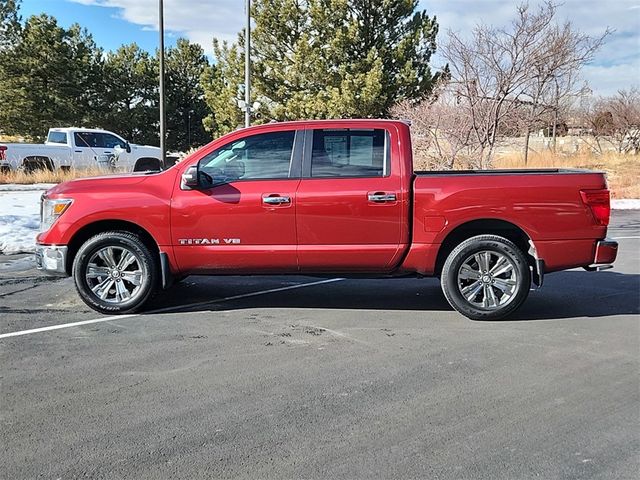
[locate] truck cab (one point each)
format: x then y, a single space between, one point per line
103 149
304 200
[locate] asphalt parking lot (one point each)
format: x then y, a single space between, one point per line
297 377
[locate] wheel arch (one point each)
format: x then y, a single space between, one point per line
485 226
33 162
94 228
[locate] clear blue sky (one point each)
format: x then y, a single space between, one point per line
116 22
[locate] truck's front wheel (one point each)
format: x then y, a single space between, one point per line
115 272
486 277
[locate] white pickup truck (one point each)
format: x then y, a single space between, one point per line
80 148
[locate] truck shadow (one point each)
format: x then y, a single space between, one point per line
565 295
578 293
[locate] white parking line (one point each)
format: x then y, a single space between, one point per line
625 238
163 310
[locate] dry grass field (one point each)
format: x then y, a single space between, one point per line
623 171
45 176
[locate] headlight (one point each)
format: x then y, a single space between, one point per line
50 211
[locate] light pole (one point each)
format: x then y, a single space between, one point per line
162 102
247 66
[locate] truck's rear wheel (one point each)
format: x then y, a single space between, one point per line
115 272
486 277
35 164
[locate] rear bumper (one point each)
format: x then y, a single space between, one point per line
52 259
606 253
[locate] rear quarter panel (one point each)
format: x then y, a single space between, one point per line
17 152
546 206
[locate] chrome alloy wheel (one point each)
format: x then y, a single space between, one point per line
115 274
488 279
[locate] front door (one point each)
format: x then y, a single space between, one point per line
349 203
96 149
246 222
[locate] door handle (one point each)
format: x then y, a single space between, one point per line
382 197
276 200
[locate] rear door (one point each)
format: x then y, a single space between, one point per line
246 224
349 202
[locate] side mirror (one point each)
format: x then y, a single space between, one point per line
190 178
127 147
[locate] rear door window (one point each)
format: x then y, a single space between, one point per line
349 153
57 137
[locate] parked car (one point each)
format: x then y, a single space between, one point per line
324 198
80 148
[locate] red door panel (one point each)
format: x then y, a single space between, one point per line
345 223
230 228
338 227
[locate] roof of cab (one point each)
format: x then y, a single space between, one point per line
77 129
297 123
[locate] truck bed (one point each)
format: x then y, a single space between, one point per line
544 203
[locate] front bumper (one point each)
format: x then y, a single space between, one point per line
606 253
52 259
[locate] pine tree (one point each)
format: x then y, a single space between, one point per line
186 108
331 58
10 26
47 78
128 103
221 83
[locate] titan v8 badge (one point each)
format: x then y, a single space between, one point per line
209 241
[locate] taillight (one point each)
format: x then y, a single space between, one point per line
3 150
599 203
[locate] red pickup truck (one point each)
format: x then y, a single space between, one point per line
324 198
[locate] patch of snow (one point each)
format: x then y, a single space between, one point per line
17 263
19 220
625 204
17 187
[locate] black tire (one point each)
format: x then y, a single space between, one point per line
145 262
505 292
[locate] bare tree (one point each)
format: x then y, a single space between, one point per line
597 123
612 122
564 94
441 131
624 110
554 64
500 73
